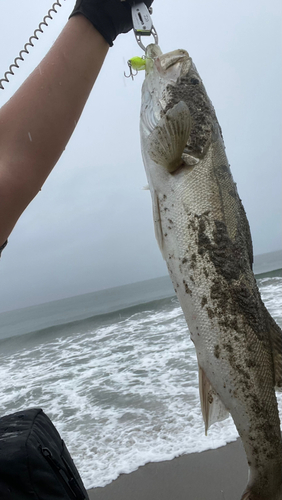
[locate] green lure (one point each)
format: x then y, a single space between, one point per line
137 63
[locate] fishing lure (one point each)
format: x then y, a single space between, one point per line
135 63
142 26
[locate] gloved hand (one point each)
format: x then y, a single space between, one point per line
109 17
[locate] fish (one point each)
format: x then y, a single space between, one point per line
204 236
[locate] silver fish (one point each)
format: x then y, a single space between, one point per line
204 236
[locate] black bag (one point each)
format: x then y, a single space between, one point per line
34 461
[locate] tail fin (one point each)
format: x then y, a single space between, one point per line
248 495
274 494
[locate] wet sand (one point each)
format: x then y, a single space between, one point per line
219 474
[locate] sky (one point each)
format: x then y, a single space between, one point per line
91 226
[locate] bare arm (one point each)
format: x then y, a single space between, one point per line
37 122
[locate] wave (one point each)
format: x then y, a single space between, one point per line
15 342
122 388
64 316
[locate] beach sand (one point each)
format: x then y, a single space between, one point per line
219 474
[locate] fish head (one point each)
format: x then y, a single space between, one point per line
162 71
176 110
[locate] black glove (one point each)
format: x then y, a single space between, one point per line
109 17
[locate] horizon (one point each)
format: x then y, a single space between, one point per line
140 281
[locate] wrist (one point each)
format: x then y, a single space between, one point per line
109 17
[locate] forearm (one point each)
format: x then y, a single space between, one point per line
37 122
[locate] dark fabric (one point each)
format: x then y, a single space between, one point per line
3 246
34 461
109 17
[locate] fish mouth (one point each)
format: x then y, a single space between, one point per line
171 65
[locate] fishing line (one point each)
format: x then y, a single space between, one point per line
30 43
142 26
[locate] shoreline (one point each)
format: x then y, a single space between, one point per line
218 474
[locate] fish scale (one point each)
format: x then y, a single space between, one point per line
204 236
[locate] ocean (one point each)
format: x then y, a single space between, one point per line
116 372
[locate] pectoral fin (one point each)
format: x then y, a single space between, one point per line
189 160
170 136
213 410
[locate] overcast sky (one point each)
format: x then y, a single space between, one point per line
91 225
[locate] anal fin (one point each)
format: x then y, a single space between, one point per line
213 410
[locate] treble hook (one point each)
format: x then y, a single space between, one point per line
131 74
